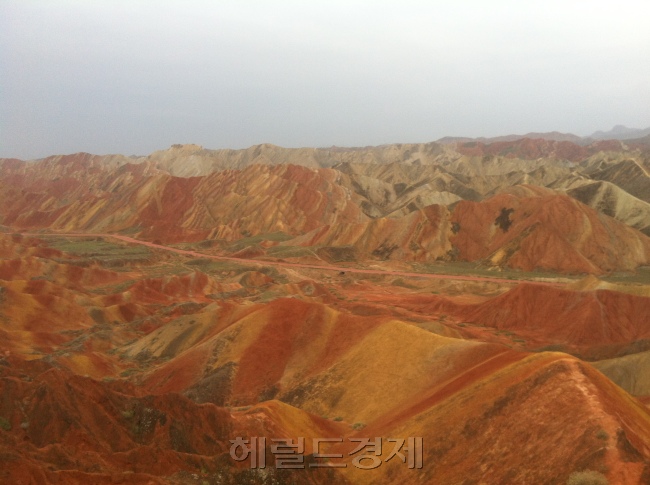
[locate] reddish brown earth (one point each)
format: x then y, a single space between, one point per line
291 206
545 232
146 318
69 429
199 361
62 196
530 148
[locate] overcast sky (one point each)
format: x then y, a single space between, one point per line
133 76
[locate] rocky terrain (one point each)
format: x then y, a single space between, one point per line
402 202
490 297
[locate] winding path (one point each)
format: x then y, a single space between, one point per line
258 262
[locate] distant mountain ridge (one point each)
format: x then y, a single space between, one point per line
551 136
620 132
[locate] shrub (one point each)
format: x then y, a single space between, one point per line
587 477
358 426
128 372
127 414
5 424
602 435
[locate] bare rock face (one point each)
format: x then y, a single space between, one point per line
609 199
121 362
154 308
421 202
546 232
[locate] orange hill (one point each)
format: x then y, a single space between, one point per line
545 232
142 375
526 229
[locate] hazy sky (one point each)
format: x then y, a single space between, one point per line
135 76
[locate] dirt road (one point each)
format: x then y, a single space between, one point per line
285 264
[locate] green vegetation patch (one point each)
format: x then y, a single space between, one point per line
256 240
466 268
587 477
289 252
215 266
5 424
166 269
107 253
98 247
641 276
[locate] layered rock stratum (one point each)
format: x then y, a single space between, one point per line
488 296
